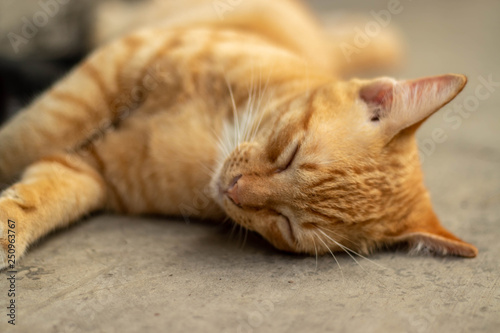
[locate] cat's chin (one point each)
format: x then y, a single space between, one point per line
287 232
279 231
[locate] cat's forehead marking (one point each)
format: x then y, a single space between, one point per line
310 110
309 166
278 142
282 136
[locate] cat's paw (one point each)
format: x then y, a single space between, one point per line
11 244
10 249
3 252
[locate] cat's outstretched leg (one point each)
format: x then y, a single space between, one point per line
52 193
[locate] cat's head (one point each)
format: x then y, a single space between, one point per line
338 167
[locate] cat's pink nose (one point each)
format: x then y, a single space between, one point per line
232 192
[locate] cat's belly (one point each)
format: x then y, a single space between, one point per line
160 164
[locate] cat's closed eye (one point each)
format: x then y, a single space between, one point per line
290 159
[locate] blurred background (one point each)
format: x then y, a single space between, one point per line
39 42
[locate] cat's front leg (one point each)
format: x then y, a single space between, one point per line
52 193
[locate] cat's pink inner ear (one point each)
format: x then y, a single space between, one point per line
401 104
378 93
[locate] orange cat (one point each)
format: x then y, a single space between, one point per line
240 117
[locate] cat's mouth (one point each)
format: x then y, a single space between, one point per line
223 195
230 192
283 224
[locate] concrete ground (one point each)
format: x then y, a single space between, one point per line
125 274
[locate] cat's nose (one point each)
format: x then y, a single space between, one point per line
232 191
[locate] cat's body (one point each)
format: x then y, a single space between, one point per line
224 118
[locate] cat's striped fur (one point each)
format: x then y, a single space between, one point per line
212 119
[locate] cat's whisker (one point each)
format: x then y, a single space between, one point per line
253 109
249 114
248 108
342 247
348 250
223 141
241 235
221 156
262 91
256 127
233 229
337 234
328 248
230 136
315 250
235 114
260 98
223 148
245 238
249 111
210 171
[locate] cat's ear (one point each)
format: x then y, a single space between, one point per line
431 236
396 105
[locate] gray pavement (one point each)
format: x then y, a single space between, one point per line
126 274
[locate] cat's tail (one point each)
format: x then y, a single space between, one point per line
358 43
362 44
